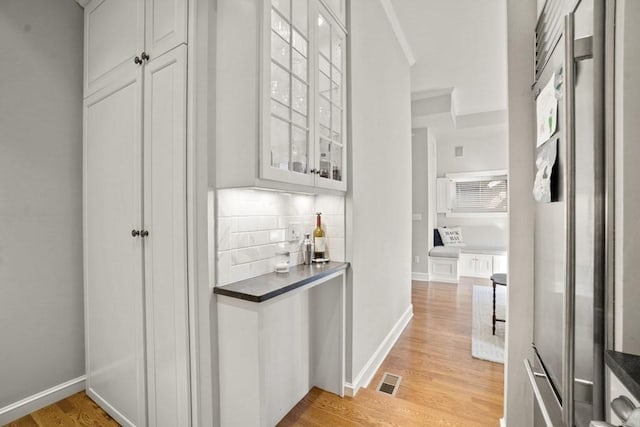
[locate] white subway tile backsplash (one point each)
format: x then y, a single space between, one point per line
277 236
253 226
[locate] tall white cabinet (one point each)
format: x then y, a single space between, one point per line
136 309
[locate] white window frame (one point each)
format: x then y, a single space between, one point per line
450 189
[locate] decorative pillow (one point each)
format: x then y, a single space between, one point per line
451 236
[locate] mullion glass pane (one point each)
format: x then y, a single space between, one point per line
279 109
299 149
299 65
324 36
336 122
324 85
280 25
336 48
324 112
299 119
300 43
283 6
300 91
336 162
280 84
279 143
325 159
280 50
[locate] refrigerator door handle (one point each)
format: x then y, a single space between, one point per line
570 221
552 415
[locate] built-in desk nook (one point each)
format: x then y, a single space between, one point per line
280 335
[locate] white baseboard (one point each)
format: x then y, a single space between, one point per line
502 424
39 400
444 280
370 368
422 277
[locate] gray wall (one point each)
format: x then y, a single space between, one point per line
379 198
41 297
420 180
518 404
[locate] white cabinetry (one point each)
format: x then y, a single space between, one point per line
118 31
281 95
481 265
137 362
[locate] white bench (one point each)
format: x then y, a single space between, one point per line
448 263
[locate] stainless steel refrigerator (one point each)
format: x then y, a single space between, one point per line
567 367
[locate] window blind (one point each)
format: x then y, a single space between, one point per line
481 195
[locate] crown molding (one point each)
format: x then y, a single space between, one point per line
82 3
398 31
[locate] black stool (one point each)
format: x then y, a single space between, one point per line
497 279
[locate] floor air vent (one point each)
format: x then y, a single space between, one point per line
389 383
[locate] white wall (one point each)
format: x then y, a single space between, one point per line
420 188
379 197
518 404
41 297
450 38
484 148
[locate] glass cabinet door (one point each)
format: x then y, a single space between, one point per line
289 89
331 100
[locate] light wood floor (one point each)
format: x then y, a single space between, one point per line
75 410
442 384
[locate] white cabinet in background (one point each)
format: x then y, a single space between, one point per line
136 310
281 96
476 265
481 265
119 31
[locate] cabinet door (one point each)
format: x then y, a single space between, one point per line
467 265
114 332
330 101
286 147
165 246
483 265
165 25
114 36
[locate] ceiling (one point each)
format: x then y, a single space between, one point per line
459 44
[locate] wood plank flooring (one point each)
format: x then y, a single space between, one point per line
442 384
75 410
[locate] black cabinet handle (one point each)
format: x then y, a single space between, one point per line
312 171
137 60
144 56
139 233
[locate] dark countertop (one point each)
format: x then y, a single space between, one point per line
627 368
267 286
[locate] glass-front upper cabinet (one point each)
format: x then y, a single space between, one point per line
289 89
304 98
331 101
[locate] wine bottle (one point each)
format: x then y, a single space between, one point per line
318 239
